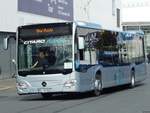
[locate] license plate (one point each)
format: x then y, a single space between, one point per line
43 90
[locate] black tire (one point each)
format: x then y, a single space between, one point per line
132 80
46 95
97 86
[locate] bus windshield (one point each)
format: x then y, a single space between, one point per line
44 55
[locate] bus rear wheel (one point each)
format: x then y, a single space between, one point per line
97 86
132 84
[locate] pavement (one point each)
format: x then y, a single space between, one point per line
6 84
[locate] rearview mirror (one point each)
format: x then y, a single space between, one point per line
5 42
81 42
14 61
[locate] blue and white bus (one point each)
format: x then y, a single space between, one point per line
77 57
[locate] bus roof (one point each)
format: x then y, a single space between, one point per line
87 25
77 23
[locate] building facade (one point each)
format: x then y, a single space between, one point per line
135 17
15 13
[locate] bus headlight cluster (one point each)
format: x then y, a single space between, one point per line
22 85
70 83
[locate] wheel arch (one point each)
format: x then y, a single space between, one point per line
98 72
133 69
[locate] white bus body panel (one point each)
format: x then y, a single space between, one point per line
55 83
81 82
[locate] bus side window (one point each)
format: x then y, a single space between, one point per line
81 46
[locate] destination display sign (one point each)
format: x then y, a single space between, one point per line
45 30
62 9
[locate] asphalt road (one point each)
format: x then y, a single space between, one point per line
113 100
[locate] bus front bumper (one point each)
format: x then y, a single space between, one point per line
24 87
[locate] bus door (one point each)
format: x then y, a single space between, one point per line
109 68
106 46
123 74
85 55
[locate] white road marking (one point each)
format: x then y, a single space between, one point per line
4 88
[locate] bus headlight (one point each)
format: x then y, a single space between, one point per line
70 83
22 85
